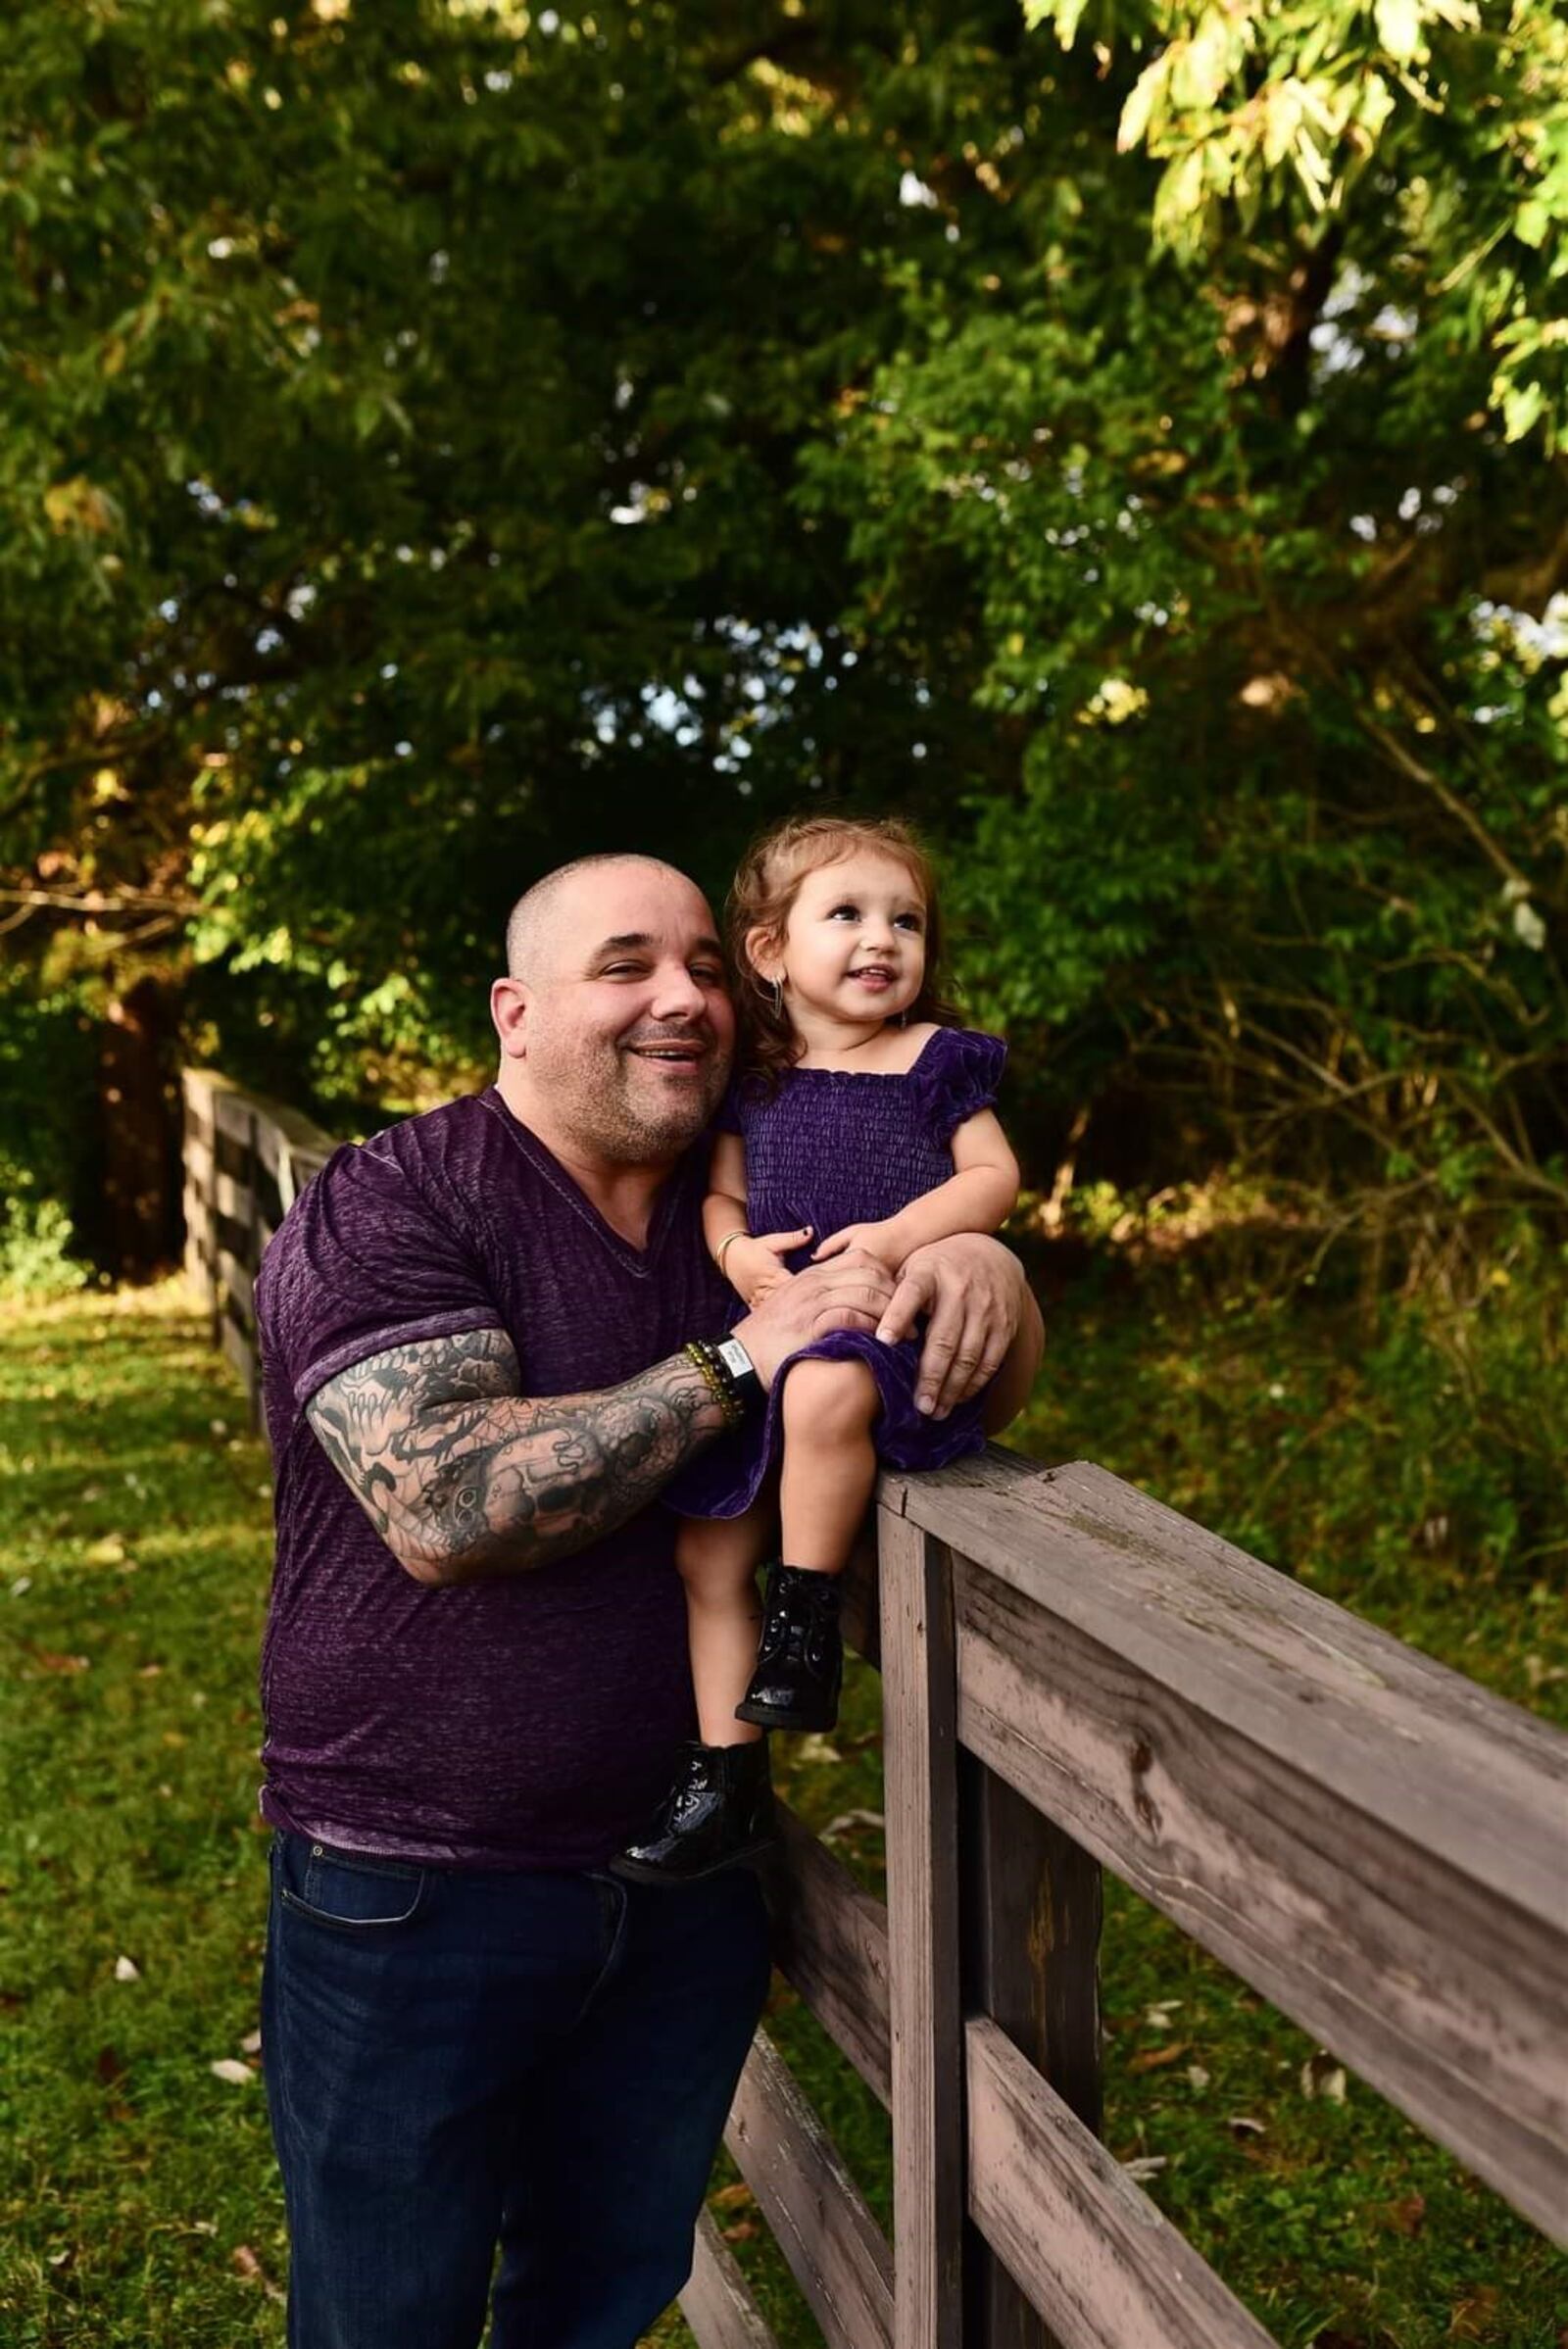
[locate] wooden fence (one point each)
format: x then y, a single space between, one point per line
246 1161
1075 1675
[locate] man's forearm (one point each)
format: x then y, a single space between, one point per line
463 1478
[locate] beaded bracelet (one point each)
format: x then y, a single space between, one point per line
720 1382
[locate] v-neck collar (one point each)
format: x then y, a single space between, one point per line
637 1260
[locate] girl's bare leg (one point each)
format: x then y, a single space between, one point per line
718 1558
829 1473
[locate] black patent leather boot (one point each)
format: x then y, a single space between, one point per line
719 1809
799 1660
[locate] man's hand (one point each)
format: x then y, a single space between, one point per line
852 1293
980 1315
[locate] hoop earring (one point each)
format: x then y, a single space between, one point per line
771 992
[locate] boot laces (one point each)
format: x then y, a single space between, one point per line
794 1629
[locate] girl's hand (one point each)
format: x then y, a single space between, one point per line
877 1238
756 1266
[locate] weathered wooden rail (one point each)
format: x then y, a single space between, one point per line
1076 1677
246 1161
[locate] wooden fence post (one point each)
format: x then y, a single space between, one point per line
1031 1943
919 1694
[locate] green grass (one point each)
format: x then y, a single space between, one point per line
138 2203
132 1580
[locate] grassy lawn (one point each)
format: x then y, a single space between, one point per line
139 2205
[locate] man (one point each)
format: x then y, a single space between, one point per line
475 1331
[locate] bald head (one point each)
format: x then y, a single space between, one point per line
614 1019
535 927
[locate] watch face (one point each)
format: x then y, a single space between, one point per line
736 1360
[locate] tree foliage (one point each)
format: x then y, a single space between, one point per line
445 437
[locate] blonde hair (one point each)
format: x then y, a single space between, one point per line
762 895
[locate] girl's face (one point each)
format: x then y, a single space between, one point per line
855 942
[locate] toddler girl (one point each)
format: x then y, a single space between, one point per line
861 1117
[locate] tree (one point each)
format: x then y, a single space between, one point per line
444 439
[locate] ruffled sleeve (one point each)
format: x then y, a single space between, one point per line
956 1075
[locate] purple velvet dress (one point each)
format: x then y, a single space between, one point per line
834 1147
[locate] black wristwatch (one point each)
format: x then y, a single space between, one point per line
742 1370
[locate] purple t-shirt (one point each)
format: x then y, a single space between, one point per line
525 1722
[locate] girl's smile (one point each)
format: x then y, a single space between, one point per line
854 951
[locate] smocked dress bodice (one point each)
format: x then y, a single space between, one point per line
832 1146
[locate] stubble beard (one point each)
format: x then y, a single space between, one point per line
616 1126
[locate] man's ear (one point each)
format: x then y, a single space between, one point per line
763 956
509 1008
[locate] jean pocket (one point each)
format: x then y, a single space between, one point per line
351 1892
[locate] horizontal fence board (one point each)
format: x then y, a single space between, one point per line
836 2251
281 1133
233 1111
266 1195
237 1350
830 1940
1438 1759
715 2302
1103 2268
1447 1999
232 1195
232 1233
307 1163
231 1154
289 1146
238 1285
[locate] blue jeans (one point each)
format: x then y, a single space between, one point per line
460 2060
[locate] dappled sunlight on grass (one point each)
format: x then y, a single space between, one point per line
138 2199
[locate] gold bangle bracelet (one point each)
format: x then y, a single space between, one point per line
740 1233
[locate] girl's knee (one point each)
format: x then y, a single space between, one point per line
825 1398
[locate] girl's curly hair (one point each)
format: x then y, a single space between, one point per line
762 896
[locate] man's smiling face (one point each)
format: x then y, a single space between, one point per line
627 1029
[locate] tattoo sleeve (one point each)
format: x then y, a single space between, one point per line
464 1478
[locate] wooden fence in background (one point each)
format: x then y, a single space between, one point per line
1076 1677
246 1161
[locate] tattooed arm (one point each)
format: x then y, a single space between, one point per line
464 1478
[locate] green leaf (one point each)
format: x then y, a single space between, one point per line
1149 93
1399 28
